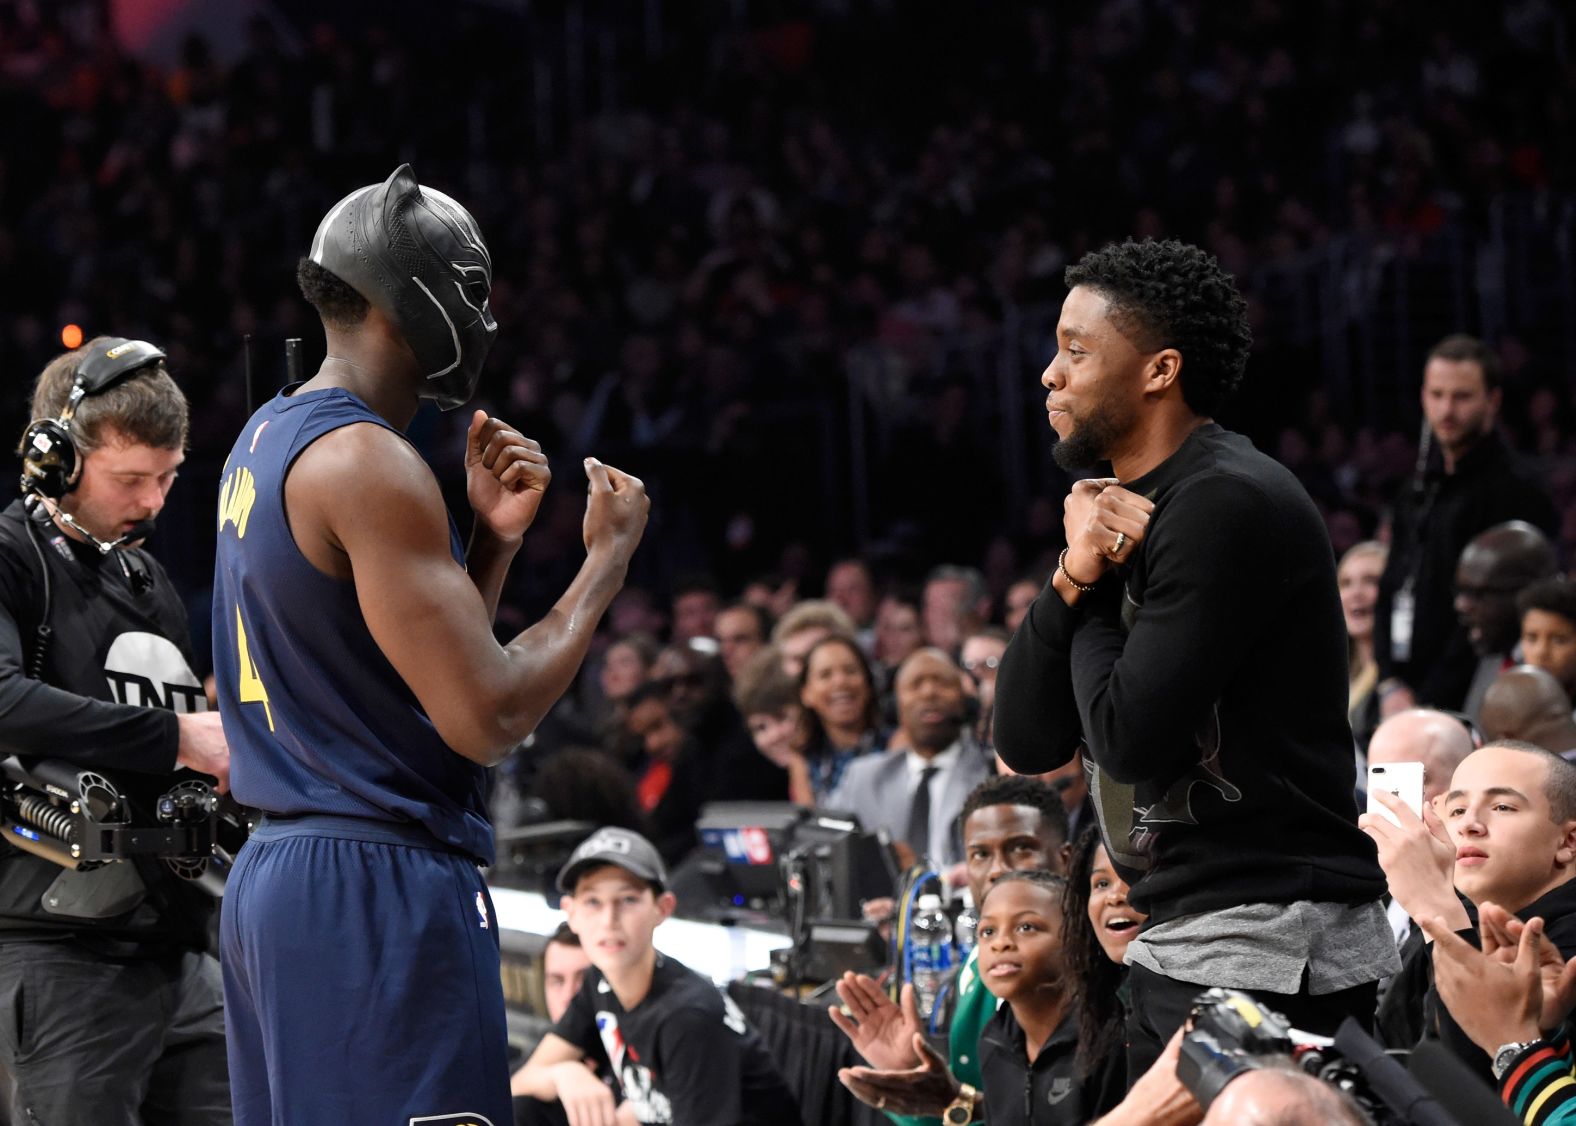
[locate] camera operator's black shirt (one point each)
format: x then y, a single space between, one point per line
1046 1092
116 671
1207 677
684 1055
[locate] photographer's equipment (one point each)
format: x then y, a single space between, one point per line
1232 1033
1441 1072
79 819
743 845
814 867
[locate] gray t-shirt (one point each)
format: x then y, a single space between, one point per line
1267 946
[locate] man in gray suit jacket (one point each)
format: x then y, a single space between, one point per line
917 794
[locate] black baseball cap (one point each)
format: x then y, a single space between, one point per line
620 847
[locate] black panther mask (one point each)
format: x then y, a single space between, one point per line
418 256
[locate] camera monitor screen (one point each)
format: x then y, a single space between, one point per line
745 842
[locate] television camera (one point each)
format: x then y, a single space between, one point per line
80 819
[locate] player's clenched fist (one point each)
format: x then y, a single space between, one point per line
616 510
506 475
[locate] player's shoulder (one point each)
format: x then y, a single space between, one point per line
364 461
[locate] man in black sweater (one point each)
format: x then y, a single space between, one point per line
1191 638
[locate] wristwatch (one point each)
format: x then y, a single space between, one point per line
1504 1056
960 1111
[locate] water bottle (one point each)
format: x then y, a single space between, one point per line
930 953
968 921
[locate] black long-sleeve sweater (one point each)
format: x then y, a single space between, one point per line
1207 679
115 672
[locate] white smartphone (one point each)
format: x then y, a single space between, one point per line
1404 780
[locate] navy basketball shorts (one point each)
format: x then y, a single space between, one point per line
361 980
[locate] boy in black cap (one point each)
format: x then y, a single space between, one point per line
680 1047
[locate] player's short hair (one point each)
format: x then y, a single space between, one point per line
336 302
1169 294
146 407
563 936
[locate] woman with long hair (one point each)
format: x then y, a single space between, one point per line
1357 578
838 691
1097 925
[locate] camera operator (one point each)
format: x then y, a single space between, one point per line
122 1019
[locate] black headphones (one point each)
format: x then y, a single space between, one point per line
51 462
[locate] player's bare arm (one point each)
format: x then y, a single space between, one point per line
506 476
387 531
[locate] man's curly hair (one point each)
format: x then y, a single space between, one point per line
1169 294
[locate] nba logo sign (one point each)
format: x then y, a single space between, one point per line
757 846
481 909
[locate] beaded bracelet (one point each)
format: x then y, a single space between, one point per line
1061 565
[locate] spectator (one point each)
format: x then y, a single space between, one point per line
1495 567
564 964
955 602
898 630
980 657
1283 1093
1009 825
1099 923
916 794
1508 837
1071 784
1019 597
742 629
849 585
1467 482
838 691
1548 629
1440 742
695 606
625 667
1357 578
681 1049
769 701
1029 1045
1513 996
1527 704
803 627
582 784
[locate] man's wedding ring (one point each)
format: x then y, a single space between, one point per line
1121 542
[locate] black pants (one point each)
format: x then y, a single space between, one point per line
1158 1006
86 1040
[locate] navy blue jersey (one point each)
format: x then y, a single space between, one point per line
317 719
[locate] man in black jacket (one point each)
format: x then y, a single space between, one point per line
1466 482
1191 637
110 1007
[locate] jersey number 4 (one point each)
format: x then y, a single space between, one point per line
251 685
